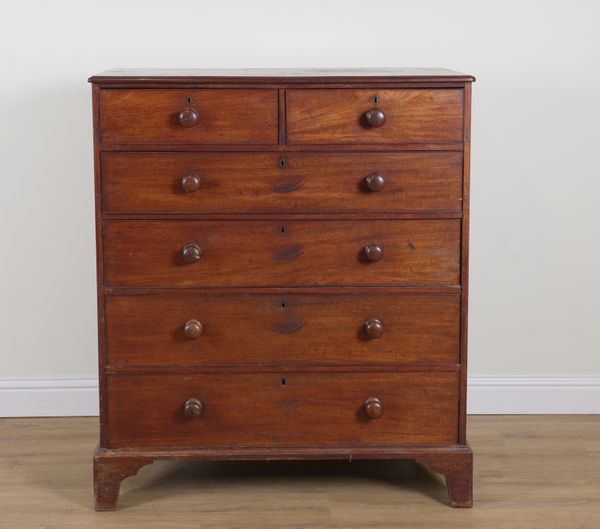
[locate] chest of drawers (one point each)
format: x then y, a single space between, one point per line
282 268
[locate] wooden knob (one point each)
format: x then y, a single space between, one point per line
373 328
188 117
373 407
373 252
193 408
375 117
192 329
191 253
375 182
190 183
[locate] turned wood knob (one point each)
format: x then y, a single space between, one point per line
190 183
193 408
191 253
375 182
375 117
373 328
188 117
373 252
373 407
192 329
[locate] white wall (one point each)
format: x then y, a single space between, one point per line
535 288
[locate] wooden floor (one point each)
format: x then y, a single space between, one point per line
531 472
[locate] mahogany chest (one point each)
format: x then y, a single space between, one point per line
282 268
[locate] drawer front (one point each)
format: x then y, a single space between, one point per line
282 253
204 328
167 116
342 116
271 183
291 409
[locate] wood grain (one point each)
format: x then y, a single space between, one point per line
286 253
271 410
336 116
287 328
226 116
276 183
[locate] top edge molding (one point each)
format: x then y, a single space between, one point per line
279 75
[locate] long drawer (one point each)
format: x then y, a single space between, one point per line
280 183
282 253
370 116
199 327
287 409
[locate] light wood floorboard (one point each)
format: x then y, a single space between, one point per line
531 472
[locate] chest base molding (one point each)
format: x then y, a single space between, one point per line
453 462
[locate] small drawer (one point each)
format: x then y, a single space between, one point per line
282 253
186 117
280 183
199 327
374 116
282 409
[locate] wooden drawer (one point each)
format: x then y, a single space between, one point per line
223 116
282 409
290 182
247 328
340 116
282 253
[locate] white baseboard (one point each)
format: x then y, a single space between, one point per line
49 397
534 394
487 395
